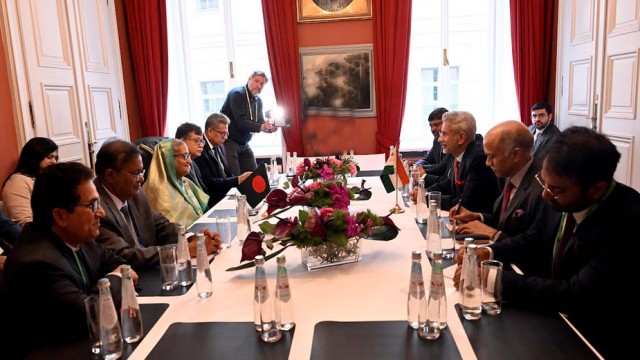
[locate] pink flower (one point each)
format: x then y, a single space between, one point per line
300 169
353 229
326 172
353 169
340 196
314 225
326 213
314 185
336 162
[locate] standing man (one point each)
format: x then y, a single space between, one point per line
191 134
216 172
543 129
508 148
472 184
573 255
130 227
56 264
243 107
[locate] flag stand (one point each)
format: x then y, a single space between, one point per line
396 209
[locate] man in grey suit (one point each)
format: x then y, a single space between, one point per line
508 148
130 226
543 129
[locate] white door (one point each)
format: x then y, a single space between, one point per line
598 78
67 75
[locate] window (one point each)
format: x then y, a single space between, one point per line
478 76
211 52
207 4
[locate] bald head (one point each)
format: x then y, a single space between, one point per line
508 147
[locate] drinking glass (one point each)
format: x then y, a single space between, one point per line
168 255
491 282
93 322
224 229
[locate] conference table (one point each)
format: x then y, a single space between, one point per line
350 311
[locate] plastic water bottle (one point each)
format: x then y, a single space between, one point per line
204 284
130 316
431 328
242 212
434 243
185 273
110 332
416 301
284 301
267 325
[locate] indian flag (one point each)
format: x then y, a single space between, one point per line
394 174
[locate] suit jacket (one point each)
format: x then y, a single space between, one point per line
9 232
153 228
217 183
477 187
539 150
582 280
196 176
521 210
47 291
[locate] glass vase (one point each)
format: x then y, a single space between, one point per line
328 254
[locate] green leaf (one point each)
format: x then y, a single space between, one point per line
267 227
250 264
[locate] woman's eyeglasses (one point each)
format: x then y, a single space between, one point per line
185 156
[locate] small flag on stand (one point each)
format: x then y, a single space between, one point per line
390 179
256 186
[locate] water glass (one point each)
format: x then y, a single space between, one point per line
491 282
168 255
447 238
91 304
224 229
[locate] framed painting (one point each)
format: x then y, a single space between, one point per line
328 10
338 80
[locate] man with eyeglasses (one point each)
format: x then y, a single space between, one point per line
216 172
542 128
130 227
56 264
571 256
191 134
243 107
508 149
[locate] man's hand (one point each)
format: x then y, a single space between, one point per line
243 177
463 214
413 194
212 242
476 227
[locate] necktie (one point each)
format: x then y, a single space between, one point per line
82 271
220 164
127 218
456 168
567 232
535 136
506 197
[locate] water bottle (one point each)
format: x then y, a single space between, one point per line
110 332
416 301
470 290
284 302
204 284
433 230
185 274
422 209
264 316
130 316
243 226
274 171
431 325
437 287
465 246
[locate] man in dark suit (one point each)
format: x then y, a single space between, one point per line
56 264
508 148
435 155
571 256
543 129
472 184
216 173
191 134
130 226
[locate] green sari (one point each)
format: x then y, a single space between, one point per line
180 200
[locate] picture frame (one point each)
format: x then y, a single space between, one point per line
330 10
338 80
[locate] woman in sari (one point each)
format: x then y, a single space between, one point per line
169 191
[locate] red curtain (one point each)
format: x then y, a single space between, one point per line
147 32
281 31
392 33
532 29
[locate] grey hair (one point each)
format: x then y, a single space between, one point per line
461 121
214 119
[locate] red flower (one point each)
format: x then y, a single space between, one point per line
277 199
285 227
314 225
252 247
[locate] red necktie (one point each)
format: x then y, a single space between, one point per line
456 167
506 196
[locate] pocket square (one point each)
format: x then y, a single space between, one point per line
518 213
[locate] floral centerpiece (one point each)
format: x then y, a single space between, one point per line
328 168
323 225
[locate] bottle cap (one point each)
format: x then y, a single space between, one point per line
436 255
416 255
181 230
472 247
281 259
104 282
259 260
125 270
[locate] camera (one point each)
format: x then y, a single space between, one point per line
277 118
281 122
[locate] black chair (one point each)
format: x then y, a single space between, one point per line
146 146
